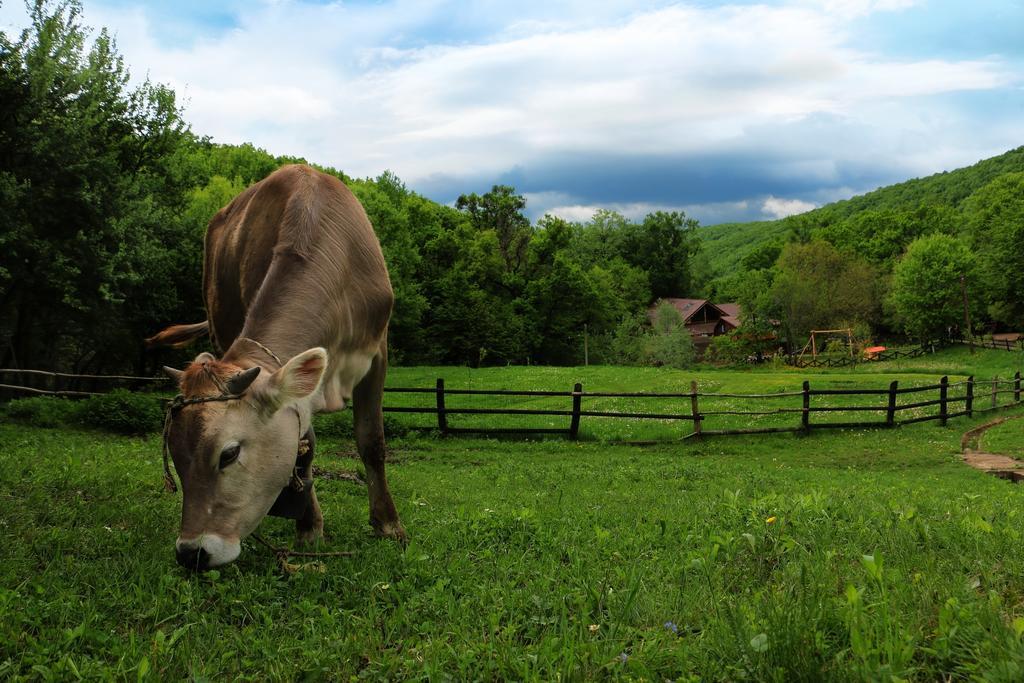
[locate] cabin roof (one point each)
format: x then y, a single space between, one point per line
688 308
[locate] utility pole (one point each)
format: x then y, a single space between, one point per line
586 345
967 314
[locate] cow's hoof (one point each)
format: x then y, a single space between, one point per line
309 536
392 530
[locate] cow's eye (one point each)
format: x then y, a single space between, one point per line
229 455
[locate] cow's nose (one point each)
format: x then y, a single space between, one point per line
196 559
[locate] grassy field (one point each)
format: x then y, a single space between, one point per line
853 555
922 371
1006 439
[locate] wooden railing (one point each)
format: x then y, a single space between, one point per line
944 404
707 416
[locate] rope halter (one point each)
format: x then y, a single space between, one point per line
232 390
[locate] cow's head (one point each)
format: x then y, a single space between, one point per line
234 456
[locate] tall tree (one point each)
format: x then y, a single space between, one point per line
817 286
87 193
663 245
501 210
927 292
995 221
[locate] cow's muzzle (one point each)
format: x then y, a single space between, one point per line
206 552
196 559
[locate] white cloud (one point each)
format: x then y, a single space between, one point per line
336 83
780 208
857 8
571 209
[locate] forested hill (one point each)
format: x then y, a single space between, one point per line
901 260
727 244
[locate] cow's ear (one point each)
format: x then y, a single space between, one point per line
204 357
299 377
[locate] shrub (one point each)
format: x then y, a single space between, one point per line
334 425
837 347
626 345
123 412
339 425
728 349
43 411
668 343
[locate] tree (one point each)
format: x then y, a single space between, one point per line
662 246
88 195
926 295
668 343
995 220
817 286
501 210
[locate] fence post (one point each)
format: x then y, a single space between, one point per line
805 418
442 417
995 388
693 407
577 400
943 395
1016 387
969 402
890 412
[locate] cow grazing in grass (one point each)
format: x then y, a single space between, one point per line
298 300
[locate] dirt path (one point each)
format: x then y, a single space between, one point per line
1002 466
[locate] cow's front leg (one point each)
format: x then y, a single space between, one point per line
369 427
310 527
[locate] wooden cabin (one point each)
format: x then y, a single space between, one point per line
704 319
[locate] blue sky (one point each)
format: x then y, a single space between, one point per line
728 111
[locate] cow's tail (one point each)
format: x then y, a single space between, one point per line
177 336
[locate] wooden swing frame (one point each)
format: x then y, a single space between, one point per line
812 342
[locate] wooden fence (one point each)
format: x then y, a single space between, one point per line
45 383
944 404
895 354
848 361
941 402
990 343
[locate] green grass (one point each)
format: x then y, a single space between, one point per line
840 556
851 555
1006 439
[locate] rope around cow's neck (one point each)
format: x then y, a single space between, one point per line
264 349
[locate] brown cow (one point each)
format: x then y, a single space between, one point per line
293 271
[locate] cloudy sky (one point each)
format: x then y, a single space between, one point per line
728 111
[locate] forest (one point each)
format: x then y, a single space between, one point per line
105 193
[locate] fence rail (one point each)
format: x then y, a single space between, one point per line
990 343
703 410
849 361
66 384
948 406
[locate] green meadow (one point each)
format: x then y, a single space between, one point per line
842 555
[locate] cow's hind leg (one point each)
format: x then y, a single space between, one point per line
369 428
310 527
